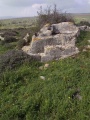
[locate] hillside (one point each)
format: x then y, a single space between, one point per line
63 94
81 17
28 22
31 90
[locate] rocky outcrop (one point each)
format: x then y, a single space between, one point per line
55 41
84 28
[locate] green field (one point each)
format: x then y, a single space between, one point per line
81 17
30 21
17 23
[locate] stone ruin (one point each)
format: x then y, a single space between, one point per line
54 42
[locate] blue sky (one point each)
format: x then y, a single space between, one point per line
23 8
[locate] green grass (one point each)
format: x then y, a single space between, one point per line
29 22
24 96
13 23
7 46
81 17
83 40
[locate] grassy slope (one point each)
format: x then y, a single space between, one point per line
81 17
7 46
24 96
30 21
26 22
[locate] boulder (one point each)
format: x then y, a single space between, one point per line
26 37
84 28
88 28
88 41
55 41
64 28
1 38
58 52
60 39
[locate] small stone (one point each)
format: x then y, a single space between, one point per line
41 68
84 50
46 65
26 48
42 77
89 41
88 47
79 97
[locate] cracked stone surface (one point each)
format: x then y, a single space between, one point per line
54 41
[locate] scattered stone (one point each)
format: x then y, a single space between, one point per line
42 77
46 65
89 41
88 47
83 28
84 50
41 68
26 48
1 38
26 37
88 28
77 95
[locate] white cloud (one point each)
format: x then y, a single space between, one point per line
37 6
30 7
30 10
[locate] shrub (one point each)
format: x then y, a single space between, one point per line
2 42
52 16
13 58
8 46
21 43
84 23
9 39
10 33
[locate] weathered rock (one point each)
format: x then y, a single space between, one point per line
76 95
1 38
88 41
46 65
83 27
41 68
84 50
42 77
59 39
55 41
56 52
26 37
64 28
88 28
26 48
87 47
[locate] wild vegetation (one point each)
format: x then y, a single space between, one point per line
52 15
17 23
63 94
